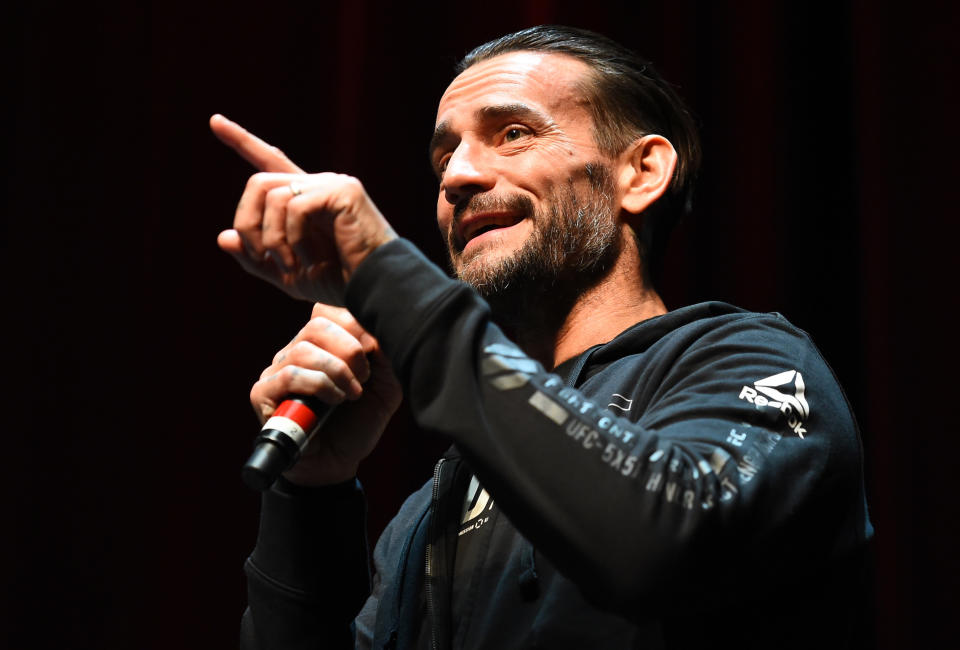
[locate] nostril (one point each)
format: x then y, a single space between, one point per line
451 195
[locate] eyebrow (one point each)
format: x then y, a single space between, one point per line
444 132
440 134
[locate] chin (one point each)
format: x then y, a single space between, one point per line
478 272
480 263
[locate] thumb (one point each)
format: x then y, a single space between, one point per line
229 241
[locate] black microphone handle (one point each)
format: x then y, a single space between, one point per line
283 437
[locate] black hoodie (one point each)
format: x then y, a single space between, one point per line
696 480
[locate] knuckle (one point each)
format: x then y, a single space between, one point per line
287 374
257 181
354 351
319 309
331 312
338 367
351 186
278 194
317 326
302 350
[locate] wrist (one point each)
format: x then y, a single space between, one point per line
361 231
332 490
312 477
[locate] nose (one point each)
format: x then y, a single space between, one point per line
468 172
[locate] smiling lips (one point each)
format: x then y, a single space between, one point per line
475 225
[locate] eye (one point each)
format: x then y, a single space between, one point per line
514 133
442 164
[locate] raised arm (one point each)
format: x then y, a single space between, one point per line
700 477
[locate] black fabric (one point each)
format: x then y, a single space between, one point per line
698 476
296 594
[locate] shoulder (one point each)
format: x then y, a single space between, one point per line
704 325
717 322
714 357
713 336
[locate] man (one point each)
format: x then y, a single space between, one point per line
621 476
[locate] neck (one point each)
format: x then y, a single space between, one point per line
552 331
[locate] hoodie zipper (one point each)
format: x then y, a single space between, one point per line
428 569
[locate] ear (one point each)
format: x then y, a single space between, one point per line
646 169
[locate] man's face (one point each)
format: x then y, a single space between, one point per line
525 194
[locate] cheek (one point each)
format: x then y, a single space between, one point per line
543 173
444 216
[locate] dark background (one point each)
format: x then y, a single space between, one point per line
827 194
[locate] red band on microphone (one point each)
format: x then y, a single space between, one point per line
298 412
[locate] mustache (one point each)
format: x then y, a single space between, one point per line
490 203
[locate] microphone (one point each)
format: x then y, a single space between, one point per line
282 439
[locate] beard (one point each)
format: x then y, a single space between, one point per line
574 242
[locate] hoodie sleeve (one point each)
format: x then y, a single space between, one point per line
308 575
716 476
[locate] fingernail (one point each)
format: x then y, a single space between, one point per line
365 371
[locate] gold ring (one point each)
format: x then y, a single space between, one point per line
295 189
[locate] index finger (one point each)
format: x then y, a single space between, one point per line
255 151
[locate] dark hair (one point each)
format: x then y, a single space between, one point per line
628 99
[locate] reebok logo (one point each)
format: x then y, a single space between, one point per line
775 392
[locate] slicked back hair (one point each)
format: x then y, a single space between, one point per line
628 99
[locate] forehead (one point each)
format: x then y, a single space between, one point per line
544 80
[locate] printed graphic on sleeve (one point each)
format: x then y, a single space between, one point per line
621 402
506 367
784 392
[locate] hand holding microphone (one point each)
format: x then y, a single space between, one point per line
283 438
331 362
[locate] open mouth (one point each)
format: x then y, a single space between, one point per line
474 226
